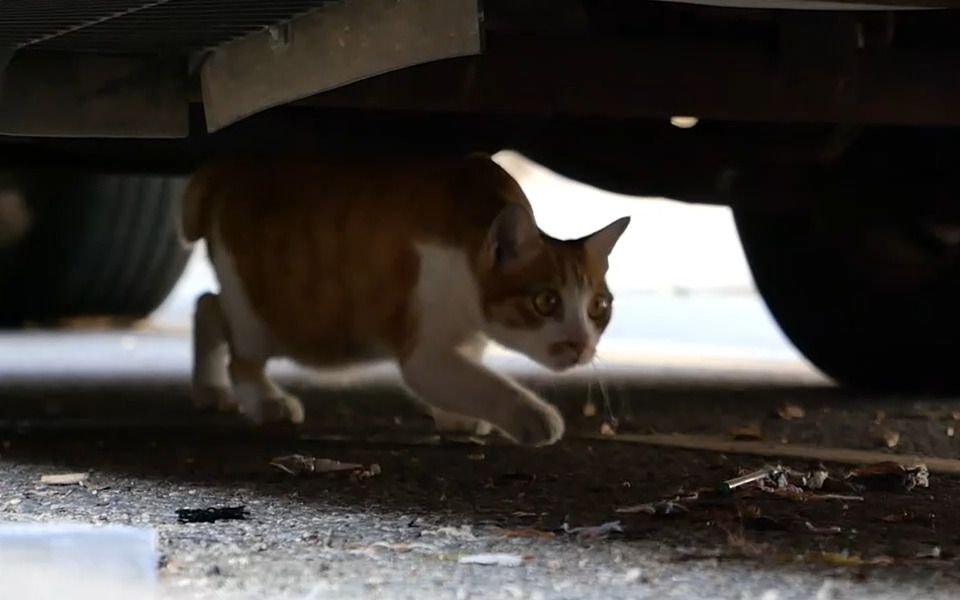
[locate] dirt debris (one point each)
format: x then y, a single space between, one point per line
828 530
779 479
843 559
888 439
495 559
212 514
748 432
890 476
815 479
594 531
64 479
789 411
589 409
660 508
525 532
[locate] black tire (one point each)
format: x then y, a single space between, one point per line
103 245
868 299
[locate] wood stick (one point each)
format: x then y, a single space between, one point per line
851 456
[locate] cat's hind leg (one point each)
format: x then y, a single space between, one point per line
448 380
251 346
224 381
211 380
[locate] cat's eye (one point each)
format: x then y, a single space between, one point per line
599 306
547 302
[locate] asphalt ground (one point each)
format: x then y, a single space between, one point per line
402 528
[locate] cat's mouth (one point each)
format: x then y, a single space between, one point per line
569 361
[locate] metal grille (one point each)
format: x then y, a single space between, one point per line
132 26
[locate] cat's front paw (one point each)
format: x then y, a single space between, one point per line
214 398
534 423
286 408
455 424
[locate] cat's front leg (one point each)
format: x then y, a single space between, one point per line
450 381
455 424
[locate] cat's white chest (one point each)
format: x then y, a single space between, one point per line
447 297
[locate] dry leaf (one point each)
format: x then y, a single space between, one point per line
298 464
751 431
789 411
607 429
64 478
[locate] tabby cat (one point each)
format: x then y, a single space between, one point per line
423 263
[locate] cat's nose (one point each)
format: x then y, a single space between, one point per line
566 350
576 347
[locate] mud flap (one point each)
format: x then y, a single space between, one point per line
332 47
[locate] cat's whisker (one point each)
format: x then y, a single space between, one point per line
589 390
604 392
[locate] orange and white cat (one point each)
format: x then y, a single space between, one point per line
423 263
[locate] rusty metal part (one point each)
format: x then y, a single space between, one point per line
92 96
643 77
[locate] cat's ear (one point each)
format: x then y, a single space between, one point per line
513 236
600 243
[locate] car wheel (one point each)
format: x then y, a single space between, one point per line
79 244
869 298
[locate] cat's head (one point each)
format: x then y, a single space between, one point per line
543 297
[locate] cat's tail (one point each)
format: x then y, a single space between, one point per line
194 209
